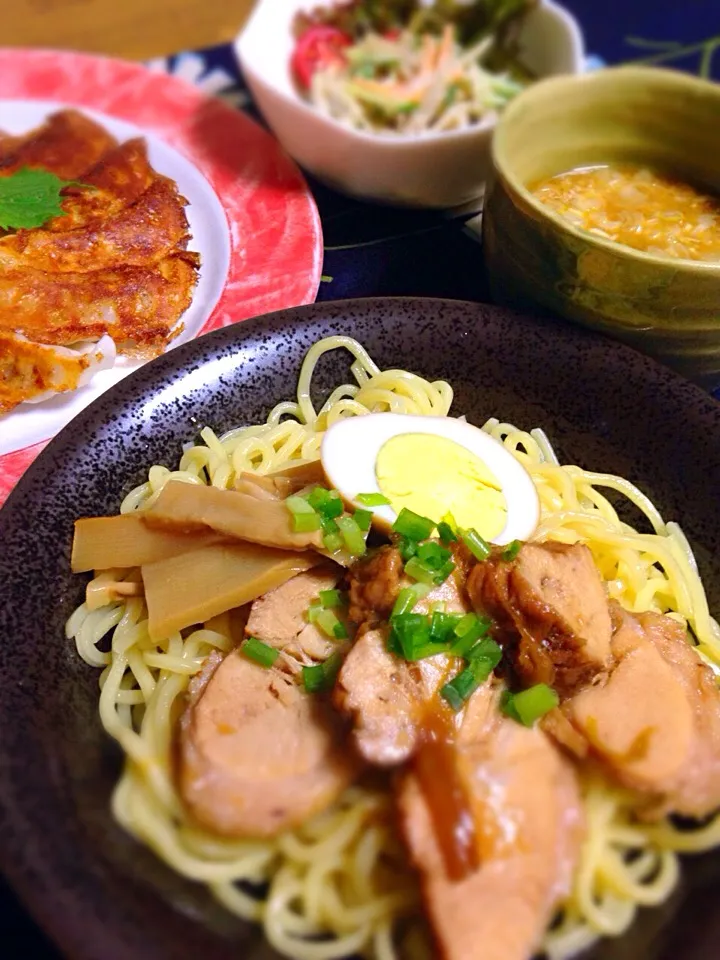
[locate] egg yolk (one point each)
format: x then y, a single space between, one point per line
432 476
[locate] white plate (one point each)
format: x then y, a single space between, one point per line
32 422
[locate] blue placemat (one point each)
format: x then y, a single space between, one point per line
375 251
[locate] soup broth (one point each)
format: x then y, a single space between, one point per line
639 207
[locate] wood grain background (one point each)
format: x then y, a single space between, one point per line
136 29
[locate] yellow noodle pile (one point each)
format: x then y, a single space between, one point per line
341 885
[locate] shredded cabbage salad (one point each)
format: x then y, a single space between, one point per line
404 79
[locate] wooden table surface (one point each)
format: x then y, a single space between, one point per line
136 29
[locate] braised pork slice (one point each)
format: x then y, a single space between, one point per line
374 585
386 696
552 613
258 755
655 720
279 617
696 791
525 808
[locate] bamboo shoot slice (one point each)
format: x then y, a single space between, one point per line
194 587
188 506
305 473
258 486
103 543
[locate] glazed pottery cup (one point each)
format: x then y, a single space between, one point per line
668 308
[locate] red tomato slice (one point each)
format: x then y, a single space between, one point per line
318 47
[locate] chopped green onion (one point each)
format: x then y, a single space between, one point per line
466 624
478 547
444 572
305 522
363 518
483 658
331 534
442 626
446 532
329 624
432 554
313 610
304 517
412 525
512 550
410 634
333 542
463 645
408 597
331 598
407 548
486 650
372 500
468 632
428 649
418 570
322 676
260 652
328 503
460 689
328 525
352 536
529 705
298 506
449 519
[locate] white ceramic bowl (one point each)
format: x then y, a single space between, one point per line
426 170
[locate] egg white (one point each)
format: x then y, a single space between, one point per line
350 449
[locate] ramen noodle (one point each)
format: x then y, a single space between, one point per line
341 884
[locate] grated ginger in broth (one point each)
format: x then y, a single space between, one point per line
638 207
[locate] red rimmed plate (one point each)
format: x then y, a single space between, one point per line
252 217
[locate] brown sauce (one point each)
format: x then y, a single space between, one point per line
435 765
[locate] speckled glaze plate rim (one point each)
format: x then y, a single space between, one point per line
32 857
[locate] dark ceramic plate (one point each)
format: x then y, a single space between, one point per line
96 892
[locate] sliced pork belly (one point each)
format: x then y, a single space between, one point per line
139 307
385 696
31 372
68 144
258 755
552 613
654 722
140 235
279 617
523 817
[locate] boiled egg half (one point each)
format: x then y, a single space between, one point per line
433 466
